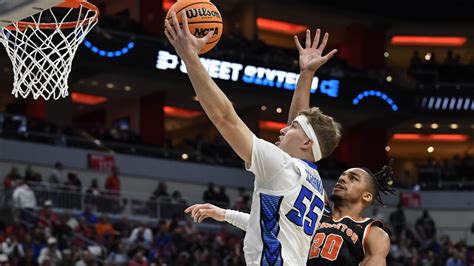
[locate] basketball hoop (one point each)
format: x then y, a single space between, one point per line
42 47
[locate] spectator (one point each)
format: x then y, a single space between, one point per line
122 226
34 247
88 215
118 256
222 198
10 179
112 184
243 204
12 248
88 258
29 175
84 229
177 198
50 254
161 191
398 219
47 217
71 222
450 61
23 197
425 226
4 261
28 259
210 194
164 241
57 176
104 227
73 182
17 229
93 188
138 259
141 235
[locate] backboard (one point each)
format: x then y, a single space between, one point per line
15 10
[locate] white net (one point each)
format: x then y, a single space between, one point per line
42 57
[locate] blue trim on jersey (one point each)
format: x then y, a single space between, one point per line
310 164
269 227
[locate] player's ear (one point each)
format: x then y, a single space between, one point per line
307 144
367 197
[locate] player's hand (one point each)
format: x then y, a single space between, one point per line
199 212
181 38
311 57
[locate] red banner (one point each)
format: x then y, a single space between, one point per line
101 162
410 199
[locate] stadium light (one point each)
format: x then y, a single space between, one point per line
429 40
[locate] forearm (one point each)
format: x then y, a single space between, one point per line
301 95
214 102
237 219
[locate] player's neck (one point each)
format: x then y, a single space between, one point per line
352 210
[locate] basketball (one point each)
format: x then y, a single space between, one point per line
203 16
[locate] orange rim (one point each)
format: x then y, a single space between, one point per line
66 25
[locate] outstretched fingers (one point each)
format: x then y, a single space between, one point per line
330 55
324 42
316 38
297 43
308 39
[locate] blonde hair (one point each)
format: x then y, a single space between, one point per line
327 130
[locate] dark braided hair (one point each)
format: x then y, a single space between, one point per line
382 181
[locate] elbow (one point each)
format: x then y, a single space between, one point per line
224 116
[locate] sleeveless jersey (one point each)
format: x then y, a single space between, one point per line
340 242
288 202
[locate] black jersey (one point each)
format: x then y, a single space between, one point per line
340 242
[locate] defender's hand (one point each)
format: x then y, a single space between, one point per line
199 212
311 57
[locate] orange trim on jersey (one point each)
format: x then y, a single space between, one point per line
352 218
367 232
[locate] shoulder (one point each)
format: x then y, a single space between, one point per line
378 240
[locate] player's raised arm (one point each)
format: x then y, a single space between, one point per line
311 59
215 103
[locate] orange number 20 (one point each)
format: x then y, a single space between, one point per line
331 246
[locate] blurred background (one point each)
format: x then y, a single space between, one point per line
112 167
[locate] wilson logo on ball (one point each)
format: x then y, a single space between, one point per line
202 12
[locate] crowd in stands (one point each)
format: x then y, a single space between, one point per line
44 233
429 69
456 173
421 244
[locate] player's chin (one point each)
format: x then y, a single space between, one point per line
277 143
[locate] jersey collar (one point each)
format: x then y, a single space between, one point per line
310 164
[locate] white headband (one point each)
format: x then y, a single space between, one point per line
308 129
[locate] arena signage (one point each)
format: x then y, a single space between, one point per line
231 71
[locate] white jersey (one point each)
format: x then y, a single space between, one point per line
288 202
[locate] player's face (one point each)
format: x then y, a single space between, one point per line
291 138
351 185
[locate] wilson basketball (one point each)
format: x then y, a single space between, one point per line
203 16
